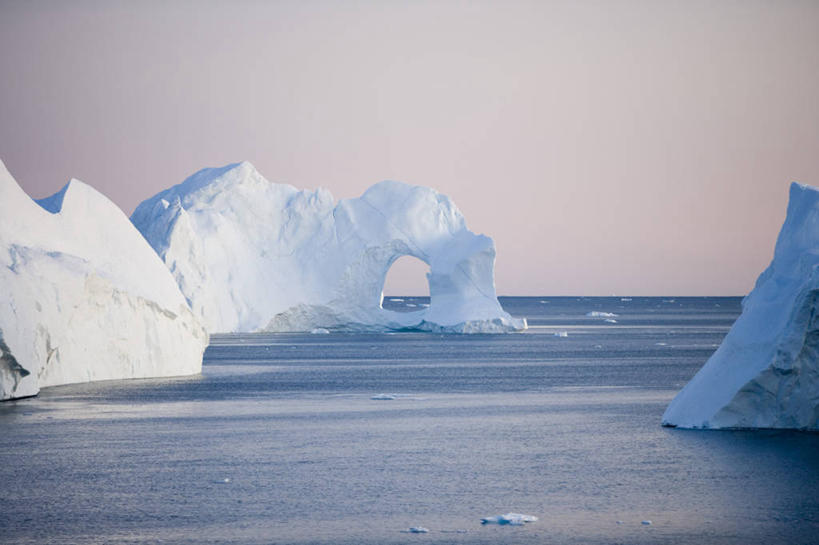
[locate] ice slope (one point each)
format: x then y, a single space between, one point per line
766 372
249 254
83 296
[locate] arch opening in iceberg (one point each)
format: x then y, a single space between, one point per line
406 281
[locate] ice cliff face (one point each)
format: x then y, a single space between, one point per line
83 296
249 254
766 372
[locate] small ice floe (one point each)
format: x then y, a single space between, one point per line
543 302
416 530
425 305
411 305
561 333
384 397
396 299
226 480
660 344
598 346
620 522
598 314
319 331
610 320
646 523
513 519
669 300
625 299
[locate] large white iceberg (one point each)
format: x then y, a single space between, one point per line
253 255
766 372
83 296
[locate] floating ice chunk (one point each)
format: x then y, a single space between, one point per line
384 397
561 333
514 519
411 305
417 530
625 299
319 331
398 299
646 523
598 314
610 320
660 344
620 522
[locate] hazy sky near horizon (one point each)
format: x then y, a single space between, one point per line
628 147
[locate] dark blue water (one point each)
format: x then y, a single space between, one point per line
280 441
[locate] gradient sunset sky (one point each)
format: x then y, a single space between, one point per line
609 147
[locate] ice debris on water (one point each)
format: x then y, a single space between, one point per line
646 523
384 397
513 519
610 320
598 314
319 331
561 333
416 530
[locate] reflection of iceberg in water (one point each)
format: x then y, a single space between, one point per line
766 372
307 262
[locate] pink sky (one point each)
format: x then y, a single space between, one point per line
634 147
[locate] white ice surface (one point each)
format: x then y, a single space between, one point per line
84 296
253 255
765 374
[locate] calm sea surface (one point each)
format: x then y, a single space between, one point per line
280 441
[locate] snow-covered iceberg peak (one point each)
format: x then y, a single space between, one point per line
84 297
766 372
249 254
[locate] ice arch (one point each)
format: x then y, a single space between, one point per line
249 254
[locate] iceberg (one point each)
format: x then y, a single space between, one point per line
84 297
251 255
765 374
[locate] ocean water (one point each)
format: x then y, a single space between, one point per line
280 441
